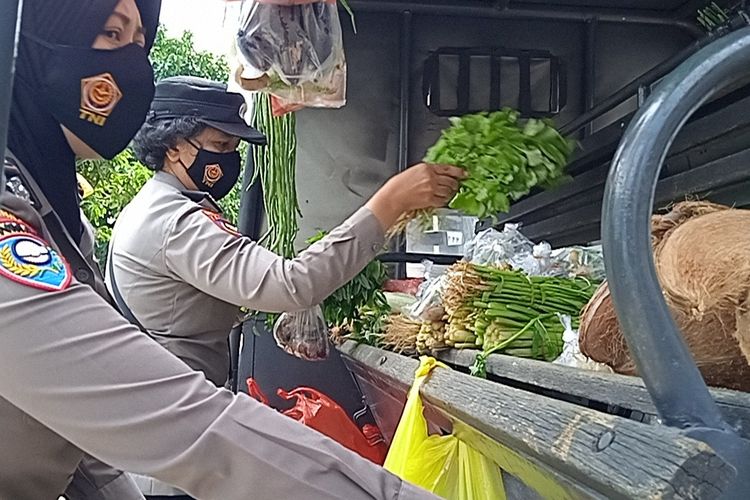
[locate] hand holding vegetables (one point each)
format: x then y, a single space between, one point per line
504 156
422 186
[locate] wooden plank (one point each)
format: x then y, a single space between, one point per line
386 397
611 389
386 400
613 456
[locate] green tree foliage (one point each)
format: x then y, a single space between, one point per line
178 57
116 182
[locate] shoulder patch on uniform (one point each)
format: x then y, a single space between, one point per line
10 224
220 221
30 261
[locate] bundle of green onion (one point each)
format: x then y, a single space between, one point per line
712 16
507 311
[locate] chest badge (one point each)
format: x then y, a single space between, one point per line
10 224
28 260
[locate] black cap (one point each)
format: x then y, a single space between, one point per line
206 100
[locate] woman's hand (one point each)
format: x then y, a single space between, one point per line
422 186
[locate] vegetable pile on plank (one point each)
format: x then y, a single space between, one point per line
505 157
400 335
359 308
702 258
431 337
275 167
509 312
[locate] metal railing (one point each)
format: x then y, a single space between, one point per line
661 355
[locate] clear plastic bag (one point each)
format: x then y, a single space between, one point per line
292 49
509 248
303 334
572 355
429 305
400 303
578 261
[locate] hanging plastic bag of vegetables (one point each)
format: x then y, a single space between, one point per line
293 50
303 334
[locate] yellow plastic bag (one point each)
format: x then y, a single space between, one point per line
443 465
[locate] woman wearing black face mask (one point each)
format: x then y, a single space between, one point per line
78 378
181 271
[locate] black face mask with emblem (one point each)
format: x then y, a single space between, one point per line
34 134
214 173
102 96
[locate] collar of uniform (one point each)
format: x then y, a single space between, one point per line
203 199
170 179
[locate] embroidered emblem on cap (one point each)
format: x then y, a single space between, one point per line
28 260
223 224
211 174
99 96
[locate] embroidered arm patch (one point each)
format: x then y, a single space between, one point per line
27 259
223 224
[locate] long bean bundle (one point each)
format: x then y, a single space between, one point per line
510 312
275 167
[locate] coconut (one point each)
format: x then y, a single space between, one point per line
702 258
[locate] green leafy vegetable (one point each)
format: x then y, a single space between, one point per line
504 156
360 306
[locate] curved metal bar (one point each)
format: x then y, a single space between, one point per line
662 358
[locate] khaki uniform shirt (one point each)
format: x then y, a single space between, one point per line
183 271
77 377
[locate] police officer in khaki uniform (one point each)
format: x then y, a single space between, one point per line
180 270
77 377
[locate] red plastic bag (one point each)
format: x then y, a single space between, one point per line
280 107
253 389
410 286
316 410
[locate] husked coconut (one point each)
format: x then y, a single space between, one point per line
702 257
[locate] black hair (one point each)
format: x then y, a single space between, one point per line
157 136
